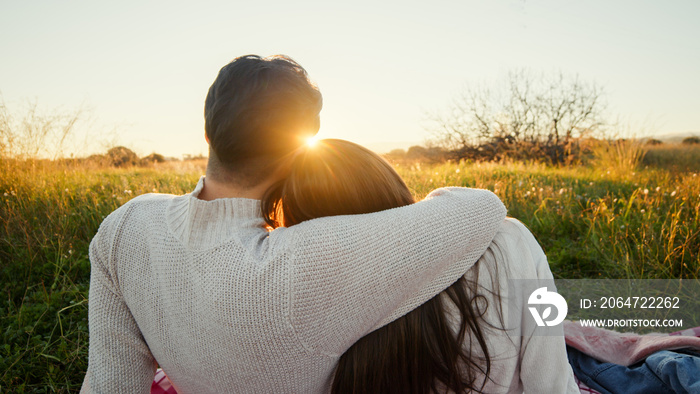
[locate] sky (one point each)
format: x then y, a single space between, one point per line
141 69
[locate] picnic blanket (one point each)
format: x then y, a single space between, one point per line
624 348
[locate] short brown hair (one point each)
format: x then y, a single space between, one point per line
257 111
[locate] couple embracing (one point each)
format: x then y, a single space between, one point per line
308 270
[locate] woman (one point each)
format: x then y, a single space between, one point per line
457 341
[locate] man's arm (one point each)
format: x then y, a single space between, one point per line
353 274
119 359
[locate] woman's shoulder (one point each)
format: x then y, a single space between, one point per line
516 233
513 227
518 252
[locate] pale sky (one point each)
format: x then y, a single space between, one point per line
144 67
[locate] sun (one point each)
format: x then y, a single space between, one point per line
311 141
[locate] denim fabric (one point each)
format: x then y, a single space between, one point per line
680 372
662 372
609 378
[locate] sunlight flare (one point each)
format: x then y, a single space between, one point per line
311 141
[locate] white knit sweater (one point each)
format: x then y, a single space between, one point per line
223 305
521 361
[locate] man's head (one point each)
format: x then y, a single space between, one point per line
257 112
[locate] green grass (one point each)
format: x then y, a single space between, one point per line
591 222
605 222
48 214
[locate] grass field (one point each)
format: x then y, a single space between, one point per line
610 220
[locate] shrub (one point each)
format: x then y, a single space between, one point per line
120 156
153 158
691 140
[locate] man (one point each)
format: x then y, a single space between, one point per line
196 284
257 112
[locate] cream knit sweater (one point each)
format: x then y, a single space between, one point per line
223 305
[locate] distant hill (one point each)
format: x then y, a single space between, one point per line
386 147
673 138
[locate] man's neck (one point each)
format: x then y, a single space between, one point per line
214 189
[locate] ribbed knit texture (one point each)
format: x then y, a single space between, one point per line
223 305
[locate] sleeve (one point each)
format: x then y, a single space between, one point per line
544 365
119 359
353 274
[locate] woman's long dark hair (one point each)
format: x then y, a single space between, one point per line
438 346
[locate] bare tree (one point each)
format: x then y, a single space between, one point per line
530 116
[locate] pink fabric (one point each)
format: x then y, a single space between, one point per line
624 348
583 388
161 384
693 332
598 337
